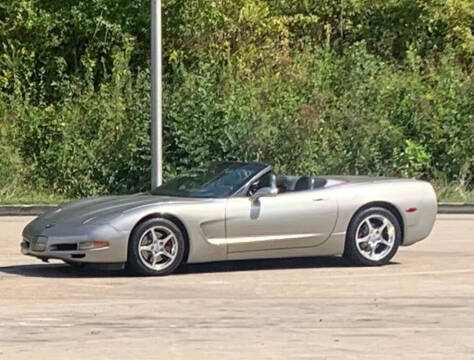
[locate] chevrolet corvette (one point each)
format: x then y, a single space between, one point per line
234 211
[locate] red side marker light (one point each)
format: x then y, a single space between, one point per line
411 209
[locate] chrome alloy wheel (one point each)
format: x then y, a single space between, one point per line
158 247
375 237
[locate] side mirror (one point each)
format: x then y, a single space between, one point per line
266 191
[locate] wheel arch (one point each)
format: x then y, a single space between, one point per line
175 220
382 204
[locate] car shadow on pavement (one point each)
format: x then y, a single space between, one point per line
66 271
57 271
265 264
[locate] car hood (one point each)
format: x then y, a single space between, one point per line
80 211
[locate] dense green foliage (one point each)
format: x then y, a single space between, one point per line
353 86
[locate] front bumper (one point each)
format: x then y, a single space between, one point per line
67 242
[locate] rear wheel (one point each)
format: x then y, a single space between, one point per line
373 237
156 247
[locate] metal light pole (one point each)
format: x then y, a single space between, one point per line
156 96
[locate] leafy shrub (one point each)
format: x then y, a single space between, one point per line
359 87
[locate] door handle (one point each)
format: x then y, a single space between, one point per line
319 199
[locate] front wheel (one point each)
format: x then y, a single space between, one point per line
373 237
156 247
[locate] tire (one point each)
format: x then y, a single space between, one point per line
146 252
373 237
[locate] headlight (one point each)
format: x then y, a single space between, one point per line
40 243
101 219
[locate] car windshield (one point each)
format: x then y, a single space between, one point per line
216 180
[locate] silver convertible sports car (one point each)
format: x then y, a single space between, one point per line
236 210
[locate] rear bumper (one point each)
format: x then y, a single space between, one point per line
419 224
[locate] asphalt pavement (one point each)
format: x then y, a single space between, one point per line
418 307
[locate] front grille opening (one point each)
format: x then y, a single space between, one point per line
63 247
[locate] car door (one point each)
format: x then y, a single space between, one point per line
288 220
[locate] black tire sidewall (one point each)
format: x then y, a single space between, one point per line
134 262
351 250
